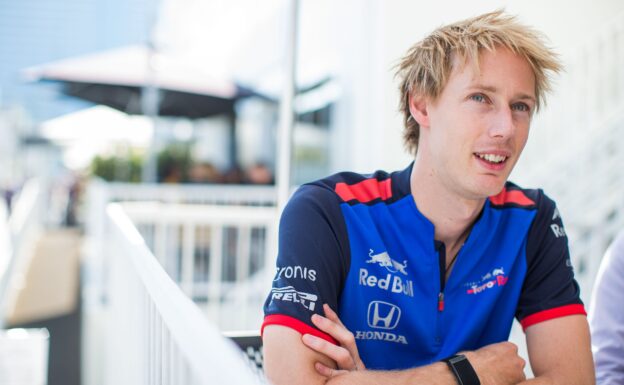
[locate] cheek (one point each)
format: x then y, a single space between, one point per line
522 135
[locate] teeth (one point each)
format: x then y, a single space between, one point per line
492 158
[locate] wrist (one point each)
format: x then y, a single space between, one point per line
463 371
437 373
473 358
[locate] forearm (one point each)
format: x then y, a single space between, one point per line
538 381
548 380
580 373
434 374
559 352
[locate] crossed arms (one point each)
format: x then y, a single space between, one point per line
559 353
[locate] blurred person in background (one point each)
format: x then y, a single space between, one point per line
204 172
606 316
259 173
8 193
415 276
233 175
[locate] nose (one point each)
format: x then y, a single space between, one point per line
503 125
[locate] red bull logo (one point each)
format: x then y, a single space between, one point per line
383 259
393 281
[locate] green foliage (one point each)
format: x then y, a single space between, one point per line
118 168
174 162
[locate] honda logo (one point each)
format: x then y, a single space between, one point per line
383 315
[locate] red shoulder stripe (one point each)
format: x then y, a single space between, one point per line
549 314
365 191
511 196
293 323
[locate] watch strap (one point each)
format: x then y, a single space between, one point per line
463 370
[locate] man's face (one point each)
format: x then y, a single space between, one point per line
479 124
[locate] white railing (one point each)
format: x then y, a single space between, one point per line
218 255
216 251
212 194
154 334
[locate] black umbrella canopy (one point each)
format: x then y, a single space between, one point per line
118 77
171 102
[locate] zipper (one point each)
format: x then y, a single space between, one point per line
442 262
440 309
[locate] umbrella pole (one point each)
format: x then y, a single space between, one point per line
286 121
150 102
233 150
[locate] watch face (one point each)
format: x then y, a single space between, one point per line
457 358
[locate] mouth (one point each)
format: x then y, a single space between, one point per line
491 161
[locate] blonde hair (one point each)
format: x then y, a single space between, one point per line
427 65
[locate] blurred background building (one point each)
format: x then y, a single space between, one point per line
140 138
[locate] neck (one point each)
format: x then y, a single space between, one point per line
451 214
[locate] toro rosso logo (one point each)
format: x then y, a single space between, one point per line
491 279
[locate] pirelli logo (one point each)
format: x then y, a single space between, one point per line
289 294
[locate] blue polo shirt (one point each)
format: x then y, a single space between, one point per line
359 243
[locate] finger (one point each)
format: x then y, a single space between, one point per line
341 334
329 313
327 371
334 329
340 355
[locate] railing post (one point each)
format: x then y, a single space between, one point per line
216 264
188 259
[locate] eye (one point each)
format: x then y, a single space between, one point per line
479 98
523 107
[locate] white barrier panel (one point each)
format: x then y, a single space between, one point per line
5 253
18 236
155 334
24 356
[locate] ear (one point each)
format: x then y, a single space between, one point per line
418 109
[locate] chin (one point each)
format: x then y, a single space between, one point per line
488 188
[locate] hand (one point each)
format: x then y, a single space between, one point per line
346 355
497 364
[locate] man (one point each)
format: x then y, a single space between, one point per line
423 270
606 316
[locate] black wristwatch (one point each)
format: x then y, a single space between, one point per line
463 371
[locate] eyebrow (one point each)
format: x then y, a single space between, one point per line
493 89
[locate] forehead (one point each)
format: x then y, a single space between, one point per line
500 69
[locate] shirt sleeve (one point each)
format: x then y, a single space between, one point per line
606 316
312 261
550 290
